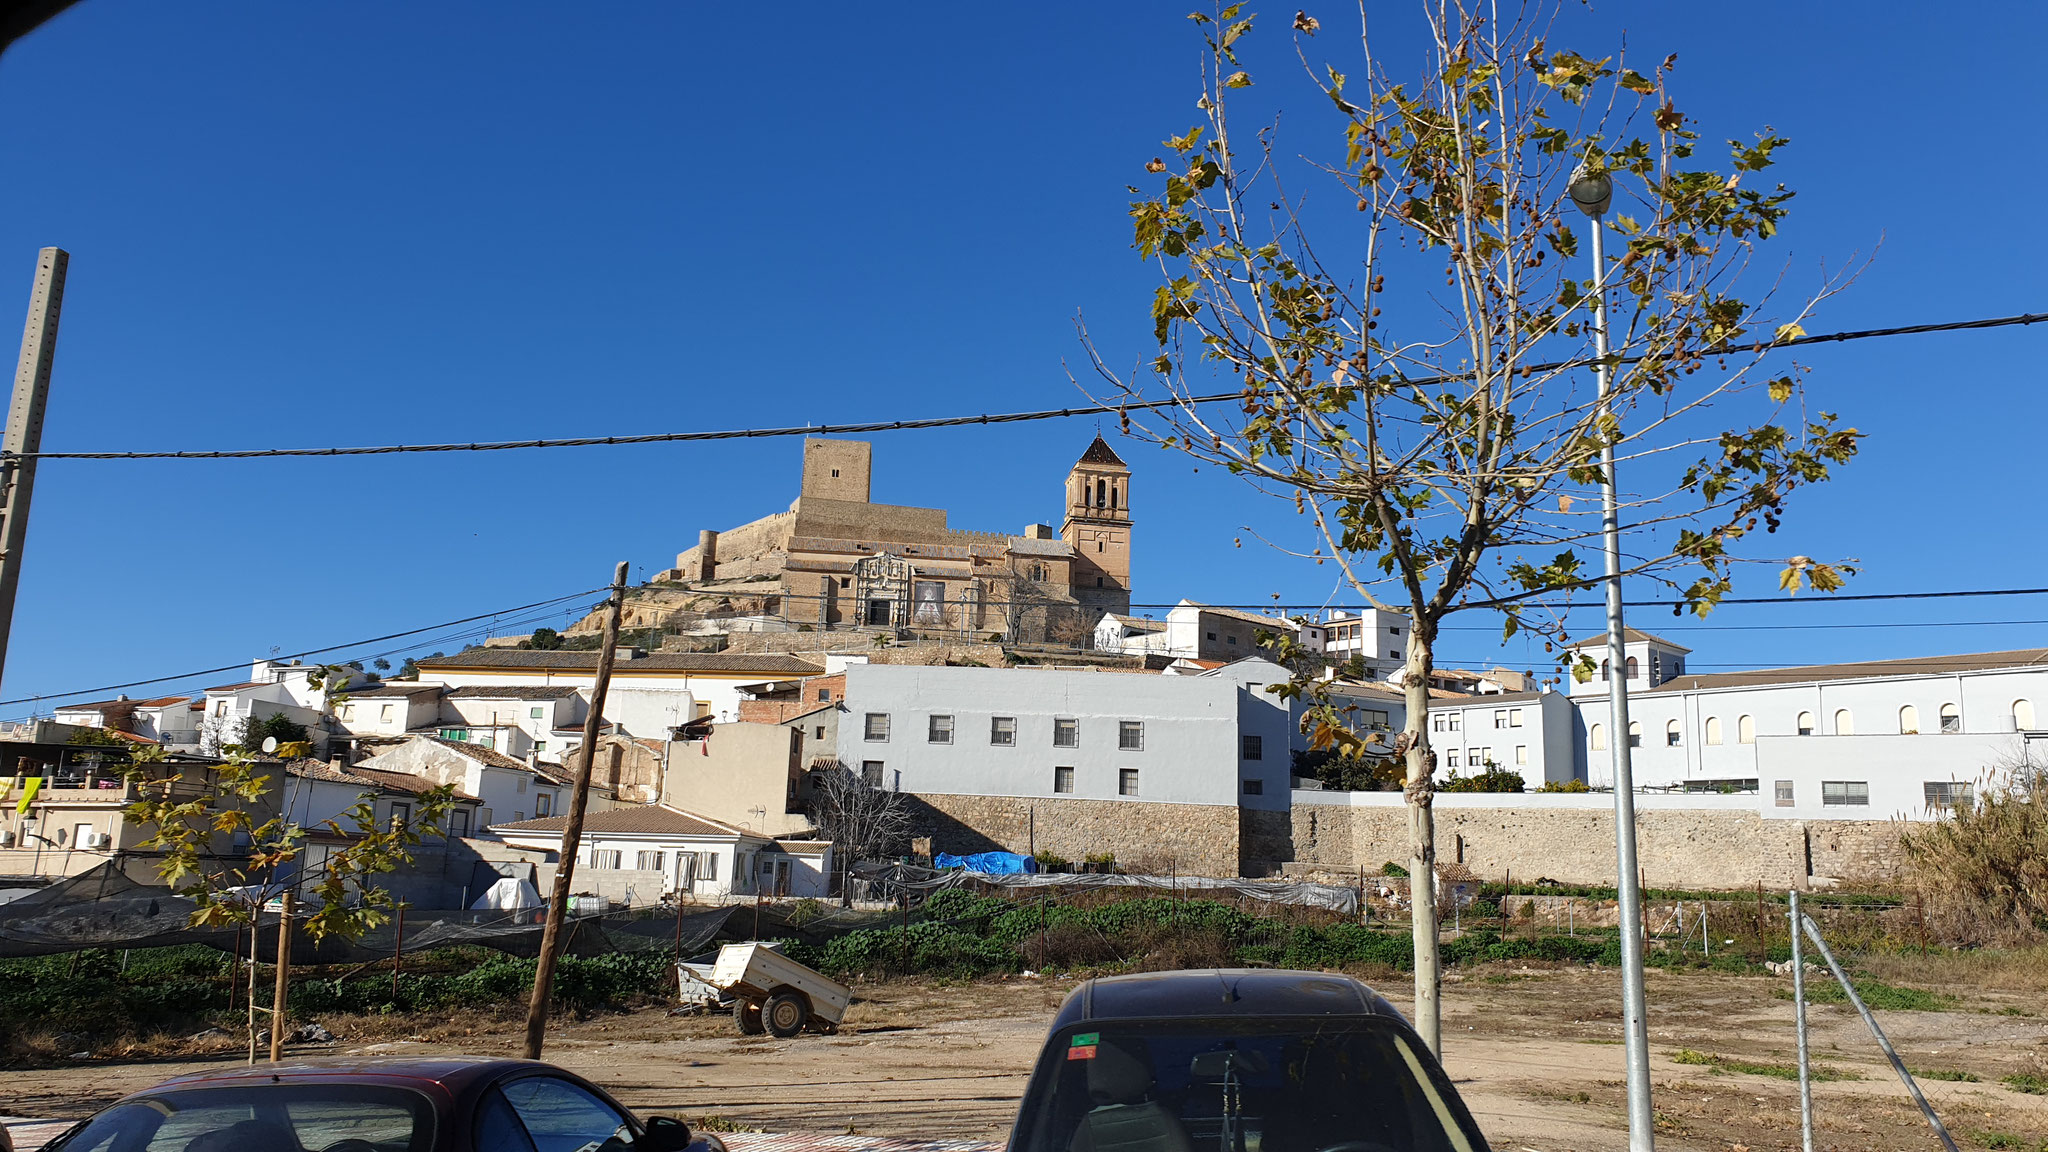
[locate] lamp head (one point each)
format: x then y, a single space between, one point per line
1592 190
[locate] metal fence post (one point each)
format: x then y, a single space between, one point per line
1898 1065
1799 1014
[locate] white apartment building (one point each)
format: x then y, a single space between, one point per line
1376 637
650 692
1215 739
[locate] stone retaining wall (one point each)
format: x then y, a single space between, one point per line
1678 848
1191 839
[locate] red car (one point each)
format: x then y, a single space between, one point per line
451 1104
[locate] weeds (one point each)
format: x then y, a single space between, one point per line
1876 995
2032 1083
1724 1064
1981 873
1954 1075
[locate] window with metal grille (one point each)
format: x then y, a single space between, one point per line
939 730
871 773
1951 718
1002 731
1063 779
1130 735
877 727
1127 781
1942 795
1252 747
1066 733
1254 787
1784 791
1845 793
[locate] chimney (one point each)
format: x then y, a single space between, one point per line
625 652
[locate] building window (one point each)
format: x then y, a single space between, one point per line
1909 720
1500 717
1002 731
824 695
1127 781
1635 733
871 773
648 861
1806 723
1671 737
2023 715
1521 754
1845 724
458 822
1212 635
1514 717
1784 790
461 734
1252 747
1951 718
542 745
1942 795
1745 729
1375 718
939 730
1632 668
1598 738
877 727
1066 733
1606 671
401 814
1712 734
1439 723
1063 779
1452 721
384 714
1451 758
605 859
543 803
1254 787
535 713
846 581
1130 736
818 732
1485 757
1230 639
1845 793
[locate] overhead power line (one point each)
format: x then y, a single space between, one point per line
964 421
239 666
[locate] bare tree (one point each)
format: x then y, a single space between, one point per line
1423 391
862 819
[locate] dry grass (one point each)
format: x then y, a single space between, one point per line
2021 970
1981 874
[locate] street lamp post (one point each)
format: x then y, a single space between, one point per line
1592 190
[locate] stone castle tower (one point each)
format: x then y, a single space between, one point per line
1098 527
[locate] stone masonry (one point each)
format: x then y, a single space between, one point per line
1192 839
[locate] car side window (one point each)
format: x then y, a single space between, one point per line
497 1129
560 1116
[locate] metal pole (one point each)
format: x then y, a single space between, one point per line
255 926
1635 1026
398 952
1799 1014
572 831
284 973
25 426
1898 1065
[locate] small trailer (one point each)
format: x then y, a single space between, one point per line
774 993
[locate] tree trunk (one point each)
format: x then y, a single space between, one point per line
1421 794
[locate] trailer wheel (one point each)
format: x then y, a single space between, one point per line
747 1015
787 1012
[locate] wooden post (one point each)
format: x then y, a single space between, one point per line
572 832
398 951
255 923
235 968
679 941
284 973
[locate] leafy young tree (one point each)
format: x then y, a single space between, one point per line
861 820
256 730
1416 380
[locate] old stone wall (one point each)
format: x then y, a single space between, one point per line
1678 848
737 545
816 645
1265 841
1191 839
888 523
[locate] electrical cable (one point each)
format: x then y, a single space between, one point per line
963 421
297 655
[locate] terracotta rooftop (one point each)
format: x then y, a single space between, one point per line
392 688
103 705
1101 453
640 820
515 691
239 687
1868 669
515 658
366 777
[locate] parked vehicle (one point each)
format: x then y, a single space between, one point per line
449 1104
1232 1060
771 992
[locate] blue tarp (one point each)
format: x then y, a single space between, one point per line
988 863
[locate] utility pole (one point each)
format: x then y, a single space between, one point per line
572 832
25 426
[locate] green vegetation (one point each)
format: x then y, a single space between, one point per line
2007 1142
1981 873
1493 778
1876 995
1955 1075
1753 1068
2032 1083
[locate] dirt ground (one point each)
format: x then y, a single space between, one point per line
1536 1054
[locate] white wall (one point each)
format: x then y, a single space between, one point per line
1190 753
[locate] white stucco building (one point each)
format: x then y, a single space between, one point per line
691 854
650 692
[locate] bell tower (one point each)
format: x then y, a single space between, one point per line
1098 528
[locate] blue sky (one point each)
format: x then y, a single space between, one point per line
375 223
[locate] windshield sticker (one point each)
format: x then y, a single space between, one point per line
1082 1046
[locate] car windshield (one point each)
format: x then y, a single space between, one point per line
263 1118
1260 1085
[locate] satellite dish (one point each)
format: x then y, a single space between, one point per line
269 744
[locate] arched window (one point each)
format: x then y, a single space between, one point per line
1101 493
2022 715
1635 733
1806 723
1909 721
1745 729
1845 724
1671 736
1713 730
1951 718
1632 668
1599 738
1606 671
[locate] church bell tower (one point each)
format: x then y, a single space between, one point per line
1098 527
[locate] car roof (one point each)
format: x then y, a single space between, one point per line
453 1073
1211 992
